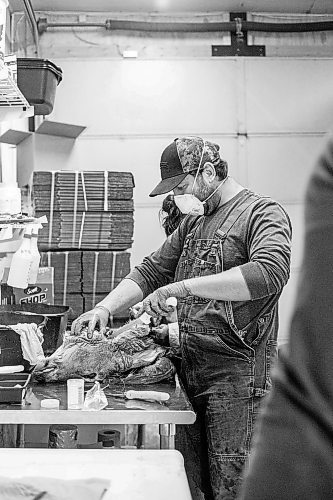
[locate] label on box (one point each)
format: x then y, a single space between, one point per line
41 292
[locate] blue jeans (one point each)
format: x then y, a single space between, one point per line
220 386
215 447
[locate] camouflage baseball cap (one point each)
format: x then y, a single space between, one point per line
180 158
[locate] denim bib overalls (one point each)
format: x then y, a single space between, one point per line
225 370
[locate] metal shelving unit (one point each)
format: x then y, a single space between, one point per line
13 104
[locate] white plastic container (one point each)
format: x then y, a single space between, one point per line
75 393
10 195
21 263
50 404
35 258
2 267
3 11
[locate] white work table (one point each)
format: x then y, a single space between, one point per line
133 474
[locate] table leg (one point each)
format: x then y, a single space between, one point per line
7 435
20 436
167 436
141 436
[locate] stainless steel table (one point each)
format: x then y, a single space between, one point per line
177 410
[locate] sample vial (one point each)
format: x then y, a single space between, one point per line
75 393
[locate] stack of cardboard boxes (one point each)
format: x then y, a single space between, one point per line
83 278
90 227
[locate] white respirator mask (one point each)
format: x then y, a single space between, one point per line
189 203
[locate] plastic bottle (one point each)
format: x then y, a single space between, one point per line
7 260
10 196
35 257
2 267
3 8
21 262
75 393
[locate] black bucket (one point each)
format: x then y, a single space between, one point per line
38 80
55 325
10 341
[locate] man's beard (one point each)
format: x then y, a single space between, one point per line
203 192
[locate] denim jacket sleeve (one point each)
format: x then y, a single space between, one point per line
158 268
269 250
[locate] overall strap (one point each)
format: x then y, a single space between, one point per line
191 234
224 227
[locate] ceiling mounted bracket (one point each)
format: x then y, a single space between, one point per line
239 33
238 46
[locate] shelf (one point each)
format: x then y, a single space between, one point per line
13 104
14 137
60 129
20 222
47 128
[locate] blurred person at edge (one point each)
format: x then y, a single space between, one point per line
226 263
292 454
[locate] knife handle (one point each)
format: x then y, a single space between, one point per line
160 397
11 369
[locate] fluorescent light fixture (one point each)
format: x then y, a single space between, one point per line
130 54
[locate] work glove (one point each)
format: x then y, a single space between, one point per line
134 310
155 304
97 317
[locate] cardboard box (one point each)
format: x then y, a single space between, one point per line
41 292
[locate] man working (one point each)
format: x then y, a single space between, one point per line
226 263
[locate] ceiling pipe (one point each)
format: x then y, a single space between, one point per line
33 23
287 27
231 26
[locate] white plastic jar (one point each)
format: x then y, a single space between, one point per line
10 199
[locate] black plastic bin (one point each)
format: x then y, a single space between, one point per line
38 79
55 324
13 387
10 341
